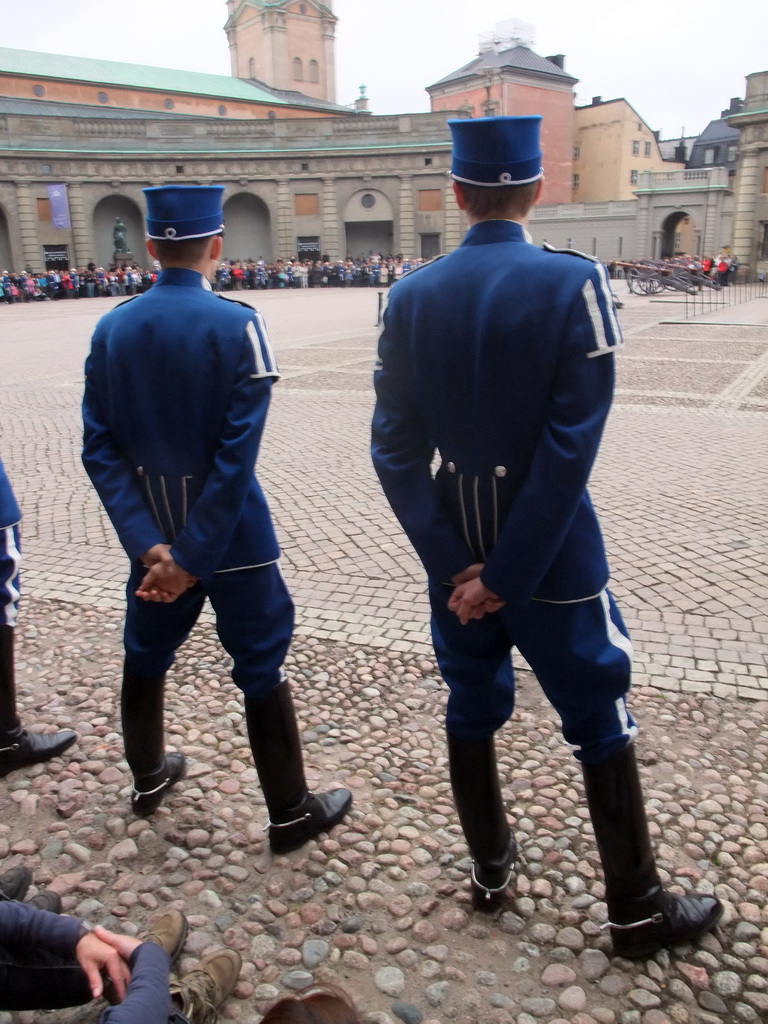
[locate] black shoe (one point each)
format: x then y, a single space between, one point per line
15 882
490 882
19 748
640 924
149 790
46 900
641 927
318 812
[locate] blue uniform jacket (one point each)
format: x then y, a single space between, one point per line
499 357
10 513
177 387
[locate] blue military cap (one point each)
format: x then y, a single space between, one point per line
176 212
496 150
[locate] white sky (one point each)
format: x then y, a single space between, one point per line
678 62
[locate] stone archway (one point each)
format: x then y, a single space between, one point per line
679 236
369 224
105 214
6 254
247 228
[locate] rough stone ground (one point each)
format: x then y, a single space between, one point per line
382 905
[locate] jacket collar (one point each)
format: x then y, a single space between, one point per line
486 232
183 277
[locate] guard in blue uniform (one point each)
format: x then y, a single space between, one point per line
500 357
17 746
178 383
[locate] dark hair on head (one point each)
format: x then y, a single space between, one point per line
186 250
504 202
318 1005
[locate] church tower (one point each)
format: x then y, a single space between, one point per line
287 44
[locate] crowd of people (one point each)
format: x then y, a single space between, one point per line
230 275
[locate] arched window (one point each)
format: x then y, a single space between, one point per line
298 70
251 68
314 71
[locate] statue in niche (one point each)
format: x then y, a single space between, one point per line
120 237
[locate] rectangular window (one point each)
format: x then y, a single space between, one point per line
575 181
308 248
709 156
56 257
430 199
306 204
633 177
635 148
43 209
430 246
647 149
764 253
576 152
733 152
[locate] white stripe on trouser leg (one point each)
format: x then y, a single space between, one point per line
11 611
618 639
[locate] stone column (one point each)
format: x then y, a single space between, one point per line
643 242
31 250
330 213
745 212
285 241
405 240
82 238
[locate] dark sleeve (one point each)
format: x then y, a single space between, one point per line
202 543
110 471
402 452
25 927
544 508
147 1000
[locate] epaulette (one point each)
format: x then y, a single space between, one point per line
421 266
570 252
126 301
237 302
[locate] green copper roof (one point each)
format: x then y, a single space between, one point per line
140 76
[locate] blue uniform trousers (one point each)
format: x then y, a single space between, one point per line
254 621
580 653
10 560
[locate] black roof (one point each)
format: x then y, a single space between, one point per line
518 57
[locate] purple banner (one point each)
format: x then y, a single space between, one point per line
57 194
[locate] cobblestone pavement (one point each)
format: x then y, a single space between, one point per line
382 905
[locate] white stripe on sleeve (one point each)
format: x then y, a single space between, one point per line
264 358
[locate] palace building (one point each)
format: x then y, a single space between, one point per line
304 175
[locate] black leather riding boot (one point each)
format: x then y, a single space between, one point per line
18 747
154 771
295 814
477 795
643 917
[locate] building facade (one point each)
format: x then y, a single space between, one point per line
336 186
613 147
518 82
289 45
750 233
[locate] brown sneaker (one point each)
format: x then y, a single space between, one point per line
200 992
170 933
